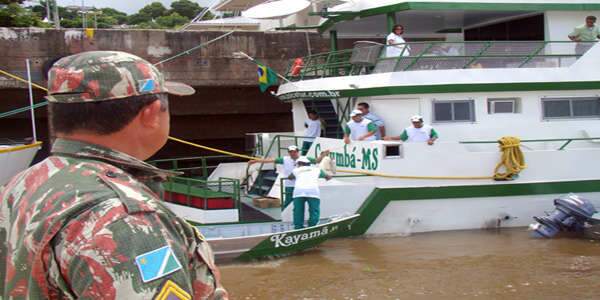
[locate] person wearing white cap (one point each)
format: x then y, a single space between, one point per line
289 163
359 128
418 132
307 191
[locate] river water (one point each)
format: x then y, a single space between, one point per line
444 265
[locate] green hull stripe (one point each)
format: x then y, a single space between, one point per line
470 88
379 198
541 7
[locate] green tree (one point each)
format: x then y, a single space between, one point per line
119 16
11 1
154 10
186 8
171 21
14 15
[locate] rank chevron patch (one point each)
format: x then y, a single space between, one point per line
157 263
171 291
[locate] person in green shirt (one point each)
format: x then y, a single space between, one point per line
584 34
418 132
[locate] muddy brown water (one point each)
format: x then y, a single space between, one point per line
504 264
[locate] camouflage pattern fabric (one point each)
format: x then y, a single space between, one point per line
107 75
72 226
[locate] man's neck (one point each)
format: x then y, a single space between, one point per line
116 141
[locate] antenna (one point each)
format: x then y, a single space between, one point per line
276 9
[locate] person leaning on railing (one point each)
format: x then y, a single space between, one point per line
289 163
418 132
585 33
396 45
359 128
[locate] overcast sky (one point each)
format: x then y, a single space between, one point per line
128 6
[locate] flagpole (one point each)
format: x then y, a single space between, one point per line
244 55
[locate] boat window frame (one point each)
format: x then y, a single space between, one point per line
516 105
469 101
570 99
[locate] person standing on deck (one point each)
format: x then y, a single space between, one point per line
359 128
396 45
307 191
289 163
365 109
587 32
313 130
418 132
88 221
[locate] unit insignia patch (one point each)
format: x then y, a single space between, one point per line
157 263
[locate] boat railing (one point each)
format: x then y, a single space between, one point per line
222 193
198 167
369 57
564 141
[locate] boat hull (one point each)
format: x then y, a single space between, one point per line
281 241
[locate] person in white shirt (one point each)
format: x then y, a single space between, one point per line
365 109
359 128
395 43
289 163
307 191
418 132
313 130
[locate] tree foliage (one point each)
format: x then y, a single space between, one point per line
152 16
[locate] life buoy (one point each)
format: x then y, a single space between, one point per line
297 66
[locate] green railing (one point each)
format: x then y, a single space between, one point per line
192 188
566 141
369 57
198 167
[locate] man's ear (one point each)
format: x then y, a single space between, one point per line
149 116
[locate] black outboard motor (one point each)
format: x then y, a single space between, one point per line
570 214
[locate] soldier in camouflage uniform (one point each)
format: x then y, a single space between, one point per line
87 222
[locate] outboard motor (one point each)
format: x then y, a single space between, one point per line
570 214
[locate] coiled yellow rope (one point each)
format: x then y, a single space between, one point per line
512 160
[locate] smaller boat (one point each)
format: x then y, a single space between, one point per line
245 242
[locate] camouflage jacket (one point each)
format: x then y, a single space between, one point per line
86 223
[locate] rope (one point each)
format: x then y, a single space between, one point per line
512 160
212 149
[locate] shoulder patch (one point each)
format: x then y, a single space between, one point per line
157 263
171 291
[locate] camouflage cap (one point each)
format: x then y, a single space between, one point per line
107 75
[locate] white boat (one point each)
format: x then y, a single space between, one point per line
16 157
534 84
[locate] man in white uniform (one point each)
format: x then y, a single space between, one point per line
396 44
359 128
289 163
418 132
313 130
367 114
307 191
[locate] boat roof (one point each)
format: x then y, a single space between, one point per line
236 5
229 21
359 10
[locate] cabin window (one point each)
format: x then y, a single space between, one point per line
454 111
567 108
503 105
392 151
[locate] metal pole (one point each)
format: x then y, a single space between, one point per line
31 101
95 20
56 16
48 10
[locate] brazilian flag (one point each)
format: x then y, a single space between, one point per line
266 77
